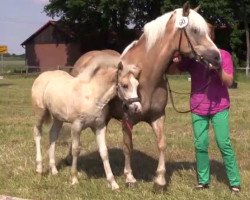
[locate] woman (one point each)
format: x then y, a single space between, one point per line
210 102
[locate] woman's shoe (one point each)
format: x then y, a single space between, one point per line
201 186
235 189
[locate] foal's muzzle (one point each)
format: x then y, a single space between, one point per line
133 105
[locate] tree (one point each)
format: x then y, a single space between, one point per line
104 14
242 11
121 15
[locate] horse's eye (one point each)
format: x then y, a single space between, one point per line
195 30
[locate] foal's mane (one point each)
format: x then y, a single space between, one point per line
100 62
155 29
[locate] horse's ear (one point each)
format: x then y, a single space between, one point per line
197 8
120 65
186 8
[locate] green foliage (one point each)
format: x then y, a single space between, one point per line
119 15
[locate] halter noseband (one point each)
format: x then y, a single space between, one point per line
197 57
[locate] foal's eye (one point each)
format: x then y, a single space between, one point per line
124 86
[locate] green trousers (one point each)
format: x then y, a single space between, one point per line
221 129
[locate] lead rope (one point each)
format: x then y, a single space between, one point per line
205 87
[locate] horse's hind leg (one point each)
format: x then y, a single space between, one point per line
127 150
54 131
41 116
158 127
100 138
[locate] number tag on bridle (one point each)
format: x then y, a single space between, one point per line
183 22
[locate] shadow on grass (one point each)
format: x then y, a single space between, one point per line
5 84
143 166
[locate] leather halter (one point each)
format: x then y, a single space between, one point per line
125 102
197 57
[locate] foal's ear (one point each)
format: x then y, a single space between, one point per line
135 69
120 65
186 8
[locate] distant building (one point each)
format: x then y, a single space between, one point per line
50 47
53 46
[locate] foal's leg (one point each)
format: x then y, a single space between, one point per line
100 138
158 127
54 131
40 115
75 133
37 137
127 150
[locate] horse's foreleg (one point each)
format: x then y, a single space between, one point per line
127 150
75 133
158 127
100 138
54 131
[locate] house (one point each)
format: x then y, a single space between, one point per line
53 46
50 47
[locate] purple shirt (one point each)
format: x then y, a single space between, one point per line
213 98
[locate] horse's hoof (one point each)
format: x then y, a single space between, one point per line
159 188
131 185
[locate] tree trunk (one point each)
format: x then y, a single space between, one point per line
248 47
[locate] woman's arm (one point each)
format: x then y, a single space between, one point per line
178 65
227 69
227 79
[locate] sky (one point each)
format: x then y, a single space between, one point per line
18 20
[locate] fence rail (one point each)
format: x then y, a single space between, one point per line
30 70
34 70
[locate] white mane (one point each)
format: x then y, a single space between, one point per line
155 29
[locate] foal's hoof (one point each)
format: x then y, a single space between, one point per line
159 188
74 181
39 172
131 185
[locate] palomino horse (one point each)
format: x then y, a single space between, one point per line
81 101
183 31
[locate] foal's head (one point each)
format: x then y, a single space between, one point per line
127 87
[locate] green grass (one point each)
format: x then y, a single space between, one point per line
17 152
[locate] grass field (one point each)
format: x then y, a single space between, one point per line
17 152
12 65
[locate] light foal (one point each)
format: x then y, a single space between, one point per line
183 31
81 101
